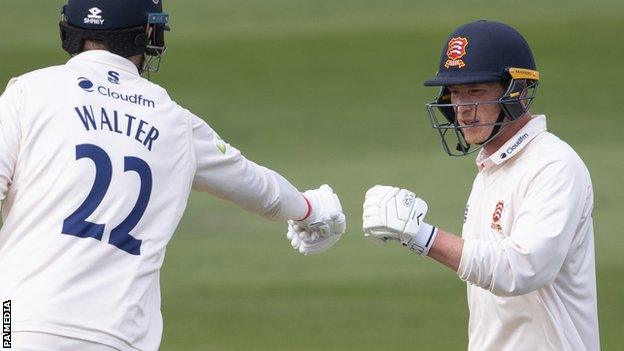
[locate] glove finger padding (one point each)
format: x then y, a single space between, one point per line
391 213
323 235
378 237
319 245
293 236
338 223
374 214
378 190
325 225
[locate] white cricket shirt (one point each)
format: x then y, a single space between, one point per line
96 165
528 254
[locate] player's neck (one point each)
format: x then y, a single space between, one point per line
90 44
507 133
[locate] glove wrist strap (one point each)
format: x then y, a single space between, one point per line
423 240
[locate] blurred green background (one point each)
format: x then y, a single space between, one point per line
330 91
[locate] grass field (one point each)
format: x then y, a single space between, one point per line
330 91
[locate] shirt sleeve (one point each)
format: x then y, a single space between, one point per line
222 171
533 254
10 134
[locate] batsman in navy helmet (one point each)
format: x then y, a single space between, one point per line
96 167
129 28
526 249
488 80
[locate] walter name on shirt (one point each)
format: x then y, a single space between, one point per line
117 122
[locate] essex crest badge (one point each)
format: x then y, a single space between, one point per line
456 50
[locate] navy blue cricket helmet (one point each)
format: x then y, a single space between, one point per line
127 27
480 52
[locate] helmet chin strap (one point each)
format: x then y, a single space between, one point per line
497 127
495 130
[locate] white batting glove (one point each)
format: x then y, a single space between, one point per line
323 227
393 214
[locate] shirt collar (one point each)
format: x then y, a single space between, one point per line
519 141
106 58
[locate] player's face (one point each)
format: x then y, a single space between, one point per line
471 115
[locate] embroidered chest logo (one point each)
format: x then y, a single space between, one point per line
456 50
496 216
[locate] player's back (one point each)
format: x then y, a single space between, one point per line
103 166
